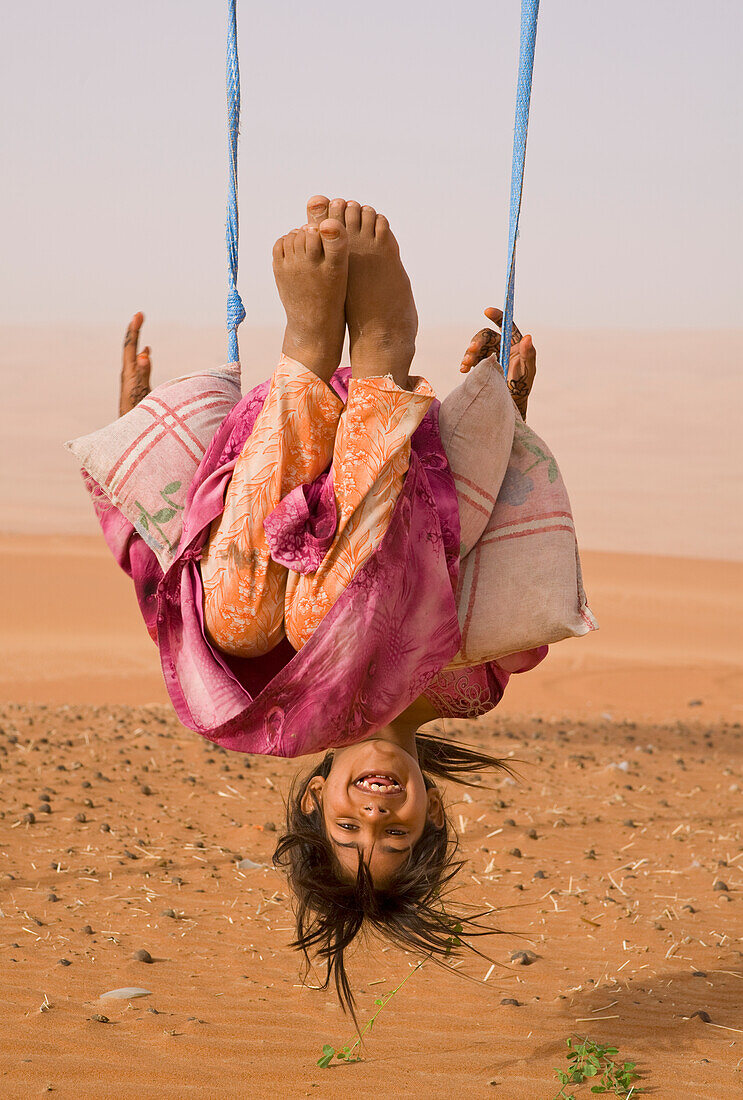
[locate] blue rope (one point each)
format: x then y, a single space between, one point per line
529 13
235 308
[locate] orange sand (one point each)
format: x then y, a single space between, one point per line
630 943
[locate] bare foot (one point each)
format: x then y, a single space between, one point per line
380 311
522 365
310 266
135 368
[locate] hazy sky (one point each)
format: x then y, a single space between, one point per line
113 154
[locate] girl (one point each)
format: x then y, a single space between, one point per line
314 590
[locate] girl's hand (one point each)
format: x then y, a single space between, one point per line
135 368
522 365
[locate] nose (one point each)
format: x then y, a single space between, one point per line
371 810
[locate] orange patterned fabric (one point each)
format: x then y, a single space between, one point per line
251 601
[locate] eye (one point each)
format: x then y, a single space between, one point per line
346 825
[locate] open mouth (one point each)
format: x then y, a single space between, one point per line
379 783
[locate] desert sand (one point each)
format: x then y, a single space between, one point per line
616 859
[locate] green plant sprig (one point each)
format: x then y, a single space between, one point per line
590 1060
350 1052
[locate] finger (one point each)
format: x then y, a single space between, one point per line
496 316
131 339
528 351
483 344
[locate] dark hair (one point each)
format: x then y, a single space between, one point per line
330 911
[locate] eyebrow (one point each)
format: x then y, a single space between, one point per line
397 851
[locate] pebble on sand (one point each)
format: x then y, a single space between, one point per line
125 993
524 958
247 865
142 956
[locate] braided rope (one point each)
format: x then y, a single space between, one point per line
235 308
529 13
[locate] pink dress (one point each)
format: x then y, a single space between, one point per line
385 641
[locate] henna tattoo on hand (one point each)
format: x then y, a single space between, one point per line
520 388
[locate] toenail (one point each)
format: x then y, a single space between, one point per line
331 234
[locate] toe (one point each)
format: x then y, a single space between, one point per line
353 216
334 239
313 243
278 251
300 241
289 243
337 209
381 228
368 220
317 209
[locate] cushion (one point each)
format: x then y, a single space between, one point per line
520 584
476 423
145 461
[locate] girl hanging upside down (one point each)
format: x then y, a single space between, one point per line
310 606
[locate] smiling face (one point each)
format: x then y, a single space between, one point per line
375 801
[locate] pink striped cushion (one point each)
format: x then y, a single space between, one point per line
520 580
145 461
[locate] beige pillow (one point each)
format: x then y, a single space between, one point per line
520 582
146 460
476 424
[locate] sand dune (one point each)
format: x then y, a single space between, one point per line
671 634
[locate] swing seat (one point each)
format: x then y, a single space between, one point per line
520 583
145 461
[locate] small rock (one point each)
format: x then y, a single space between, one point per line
43 808
532 834
86 784
524 958
45 797
509 822
689 908
86 930
52 897
99 1019
590 854
105 827
699 973
142 956
515 852
81 817
540 874
510 1001
248 865
719 885
269 827
630 824
704 1016
695 702
130 855
64 962
29 818
168 913
146 790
